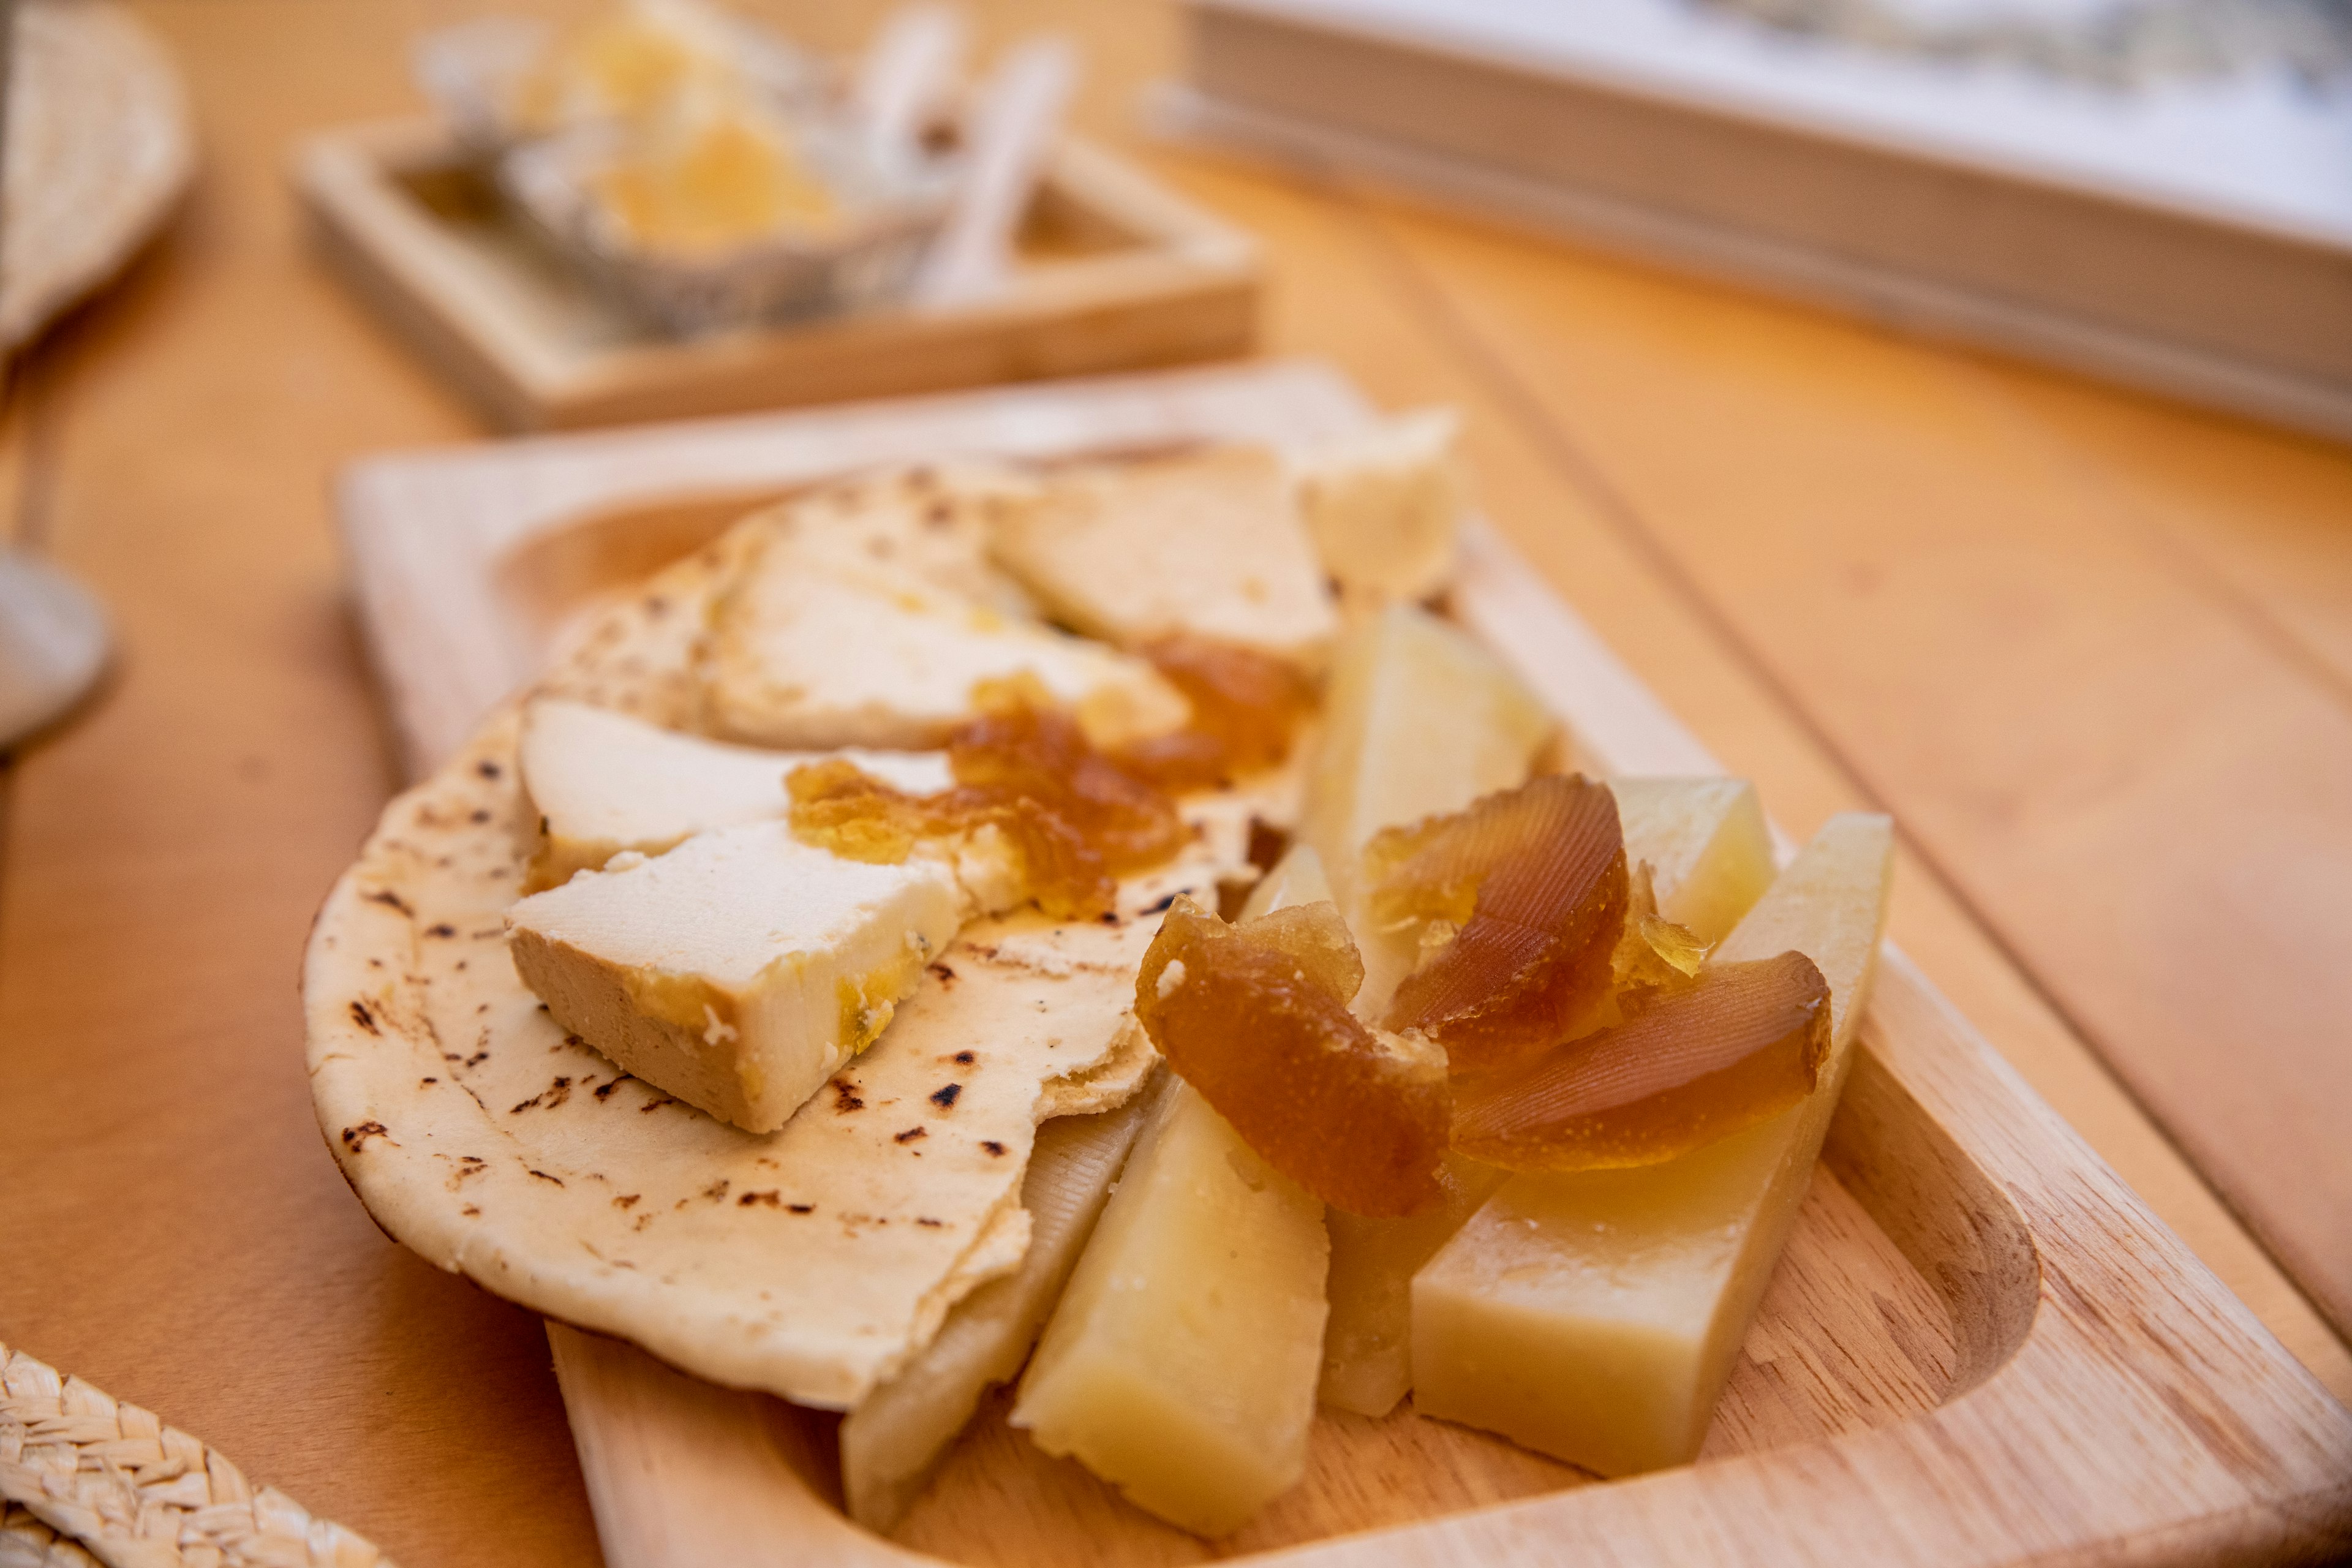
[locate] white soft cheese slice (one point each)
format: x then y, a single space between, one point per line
740 970
602 782
1383 507
1206 542
806 649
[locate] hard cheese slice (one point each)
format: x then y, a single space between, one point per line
1709 853
1383 507
1367 1343
1419 720
1181 1364
1711 857
602 783
1207 542
891 1443
1595 1315
740 970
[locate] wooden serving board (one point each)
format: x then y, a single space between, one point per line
1113 271
1980 1348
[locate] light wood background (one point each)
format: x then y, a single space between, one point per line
2094 652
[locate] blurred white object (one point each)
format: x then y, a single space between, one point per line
907 72
98 149
2189 234
96 146
2120 45
53 645
687 160
865 251
502 80
1967 13
1011 130
472 71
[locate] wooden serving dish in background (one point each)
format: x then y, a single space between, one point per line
1114 272
1981 1347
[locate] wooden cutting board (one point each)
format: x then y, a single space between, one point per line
1981 1347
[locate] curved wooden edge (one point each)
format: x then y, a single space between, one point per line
1949 1218
2114 1402
683 1473
2144 1417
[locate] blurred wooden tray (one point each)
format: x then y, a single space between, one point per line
1115 272
1979 1347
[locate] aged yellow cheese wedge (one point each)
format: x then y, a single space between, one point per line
1384 506
738 971
1418 720
1710 852
1711 857
892 1442
1181 1364
1207 542
1595 1315
1368 1342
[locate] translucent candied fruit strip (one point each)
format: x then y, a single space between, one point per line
1256 1019
1074 822
1744 1042
1077 817
1039 753
1245 707
838 805
1654 954
1537 878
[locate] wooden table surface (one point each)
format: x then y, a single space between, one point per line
2094 652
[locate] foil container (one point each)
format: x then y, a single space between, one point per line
888 217
890 207
473 72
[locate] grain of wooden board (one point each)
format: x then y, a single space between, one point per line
1982 1348
173 1229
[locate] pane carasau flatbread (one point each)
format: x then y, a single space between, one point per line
811 1262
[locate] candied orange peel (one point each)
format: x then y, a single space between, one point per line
1075 821
1255 1016
1533 886
1739 1044
1654 954
1246 706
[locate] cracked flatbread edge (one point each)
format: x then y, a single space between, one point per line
634 658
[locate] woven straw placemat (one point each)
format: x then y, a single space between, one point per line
84 1479
99 149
